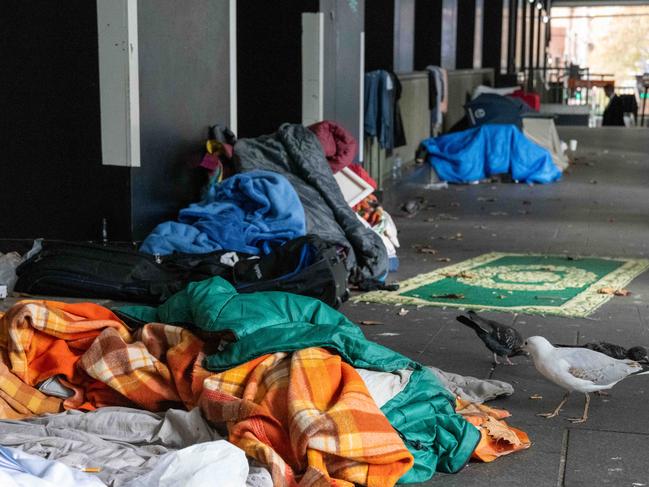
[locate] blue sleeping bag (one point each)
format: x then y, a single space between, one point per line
487 150
246 213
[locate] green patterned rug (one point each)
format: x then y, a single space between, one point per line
518 283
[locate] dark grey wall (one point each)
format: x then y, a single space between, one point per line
492 38
465 34
428 33
343 27
52 182
269 63
380 39
184 88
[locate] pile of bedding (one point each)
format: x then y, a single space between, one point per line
283 188
286 379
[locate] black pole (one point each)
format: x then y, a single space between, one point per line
511 36
644 102
523 34
530 57
538 42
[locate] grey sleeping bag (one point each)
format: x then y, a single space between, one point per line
296 153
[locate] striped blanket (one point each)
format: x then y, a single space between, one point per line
308 415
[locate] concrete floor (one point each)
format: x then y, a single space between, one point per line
600 208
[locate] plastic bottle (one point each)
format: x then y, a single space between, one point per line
396 168
104 231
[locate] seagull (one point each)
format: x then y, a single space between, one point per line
502 340
578 369
639 354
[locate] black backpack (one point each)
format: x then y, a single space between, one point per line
305 265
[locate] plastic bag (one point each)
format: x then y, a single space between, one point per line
10 261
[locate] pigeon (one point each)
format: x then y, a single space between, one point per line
639 354
502 340
578 369
413 206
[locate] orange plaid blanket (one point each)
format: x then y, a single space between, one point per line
307 412
41 339
308 416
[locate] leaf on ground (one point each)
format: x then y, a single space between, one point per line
422 249
614 292
444 259
371 323
499 431
463 274
536 397
403 312
445 216
447 296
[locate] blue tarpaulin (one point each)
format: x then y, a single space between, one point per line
488 150
246 213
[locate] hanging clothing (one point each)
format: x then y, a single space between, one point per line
437 96
382 113
399 132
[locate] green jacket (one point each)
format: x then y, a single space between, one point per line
265 322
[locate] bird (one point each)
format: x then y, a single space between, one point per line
413 206
638 353
578 369
502 340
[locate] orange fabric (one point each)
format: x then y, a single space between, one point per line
307 412
497 437
308 416
370 210
19 400
42 339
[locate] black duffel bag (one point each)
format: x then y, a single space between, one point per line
87 270
305 265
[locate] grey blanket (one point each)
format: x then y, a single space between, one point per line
295 152
125 443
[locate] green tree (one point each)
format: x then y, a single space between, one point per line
622 46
